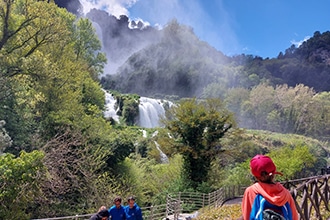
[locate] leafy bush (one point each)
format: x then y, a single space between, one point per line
20 183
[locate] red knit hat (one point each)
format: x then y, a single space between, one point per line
260 163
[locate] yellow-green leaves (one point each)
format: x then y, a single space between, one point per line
20 183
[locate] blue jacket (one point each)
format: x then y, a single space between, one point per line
134 213
117 213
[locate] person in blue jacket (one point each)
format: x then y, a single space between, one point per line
117 212
132 210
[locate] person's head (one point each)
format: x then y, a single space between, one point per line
104 214
102 207
117 201
131 201
263 168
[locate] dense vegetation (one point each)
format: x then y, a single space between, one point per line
59 156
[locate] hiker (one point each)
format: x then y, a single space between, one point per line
116 211
102 214
132 210
264 170
102 207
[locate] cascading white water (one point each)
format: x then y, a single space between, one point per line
110 111
163 157
150 110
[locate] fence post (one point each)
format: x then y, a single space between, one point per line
203 202
151 212
216 199
177 207
326 189
232 192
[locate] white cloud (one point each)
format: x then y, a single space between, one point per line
218 32
138 20
298 43
113 7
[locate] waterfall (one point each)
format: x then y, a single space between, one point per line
110 111
150 110
163 157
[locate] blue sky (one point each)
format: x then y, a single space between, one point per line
257 27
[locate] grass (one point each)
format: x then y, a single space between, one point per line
226 212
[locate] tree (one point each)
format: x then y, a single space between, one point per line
49 60
198 127
87 47
259 105
321 117
296 109
30 31
50 65
293 162
234 100
21 179
74 178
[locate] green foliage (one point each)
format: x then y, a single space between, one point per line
20 183
128 105
198 128
93 98
271 141
282 109
50 62
260 103
240 146
121 145
29 28
214 90
238 175
147 180
292 161
86 44
234 100
48 76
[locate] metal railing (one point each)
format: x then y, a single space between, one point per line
308 193
189 202
177 204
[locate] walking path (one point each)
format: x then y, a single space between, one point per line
237 200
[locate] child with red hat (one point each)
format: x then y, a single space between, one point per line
264 170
